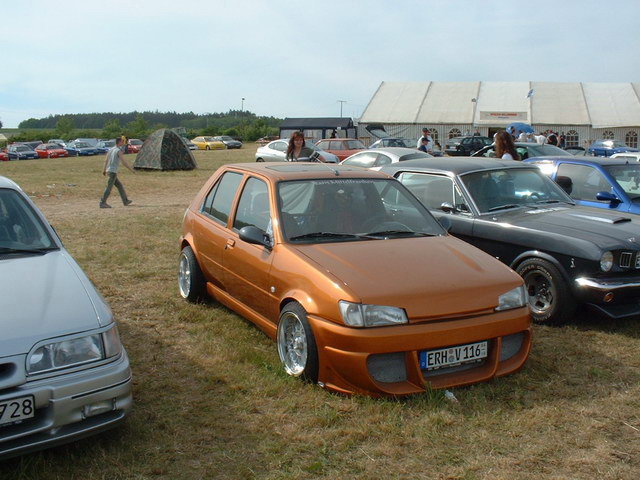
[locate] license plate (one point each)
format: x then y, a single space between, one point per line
16 409
452 356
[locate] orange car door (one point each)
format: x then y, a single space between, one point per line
211 232
247 266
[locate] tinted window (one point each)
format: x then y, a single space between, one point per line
585 181
336 146
253 207
20 227
225 191
279 146
628 177
433 190
354 145
349 207
495 189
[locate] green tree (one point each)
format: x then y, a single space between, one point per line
112 129
138 128
64 127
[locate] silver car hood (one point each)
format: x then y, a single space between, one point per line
45 296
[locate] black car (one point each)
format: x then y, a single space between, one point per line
228 141
567 254
526 150
465 146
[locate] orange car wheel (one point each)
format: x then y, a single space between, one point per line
296 343
190 278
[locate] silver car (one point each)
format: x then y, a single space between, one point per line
376 158
276 151
63 372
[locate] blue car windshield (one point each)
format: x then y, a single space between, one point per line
628 177
20 227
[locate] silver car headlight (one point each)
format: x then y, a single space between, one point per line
606 261
75 351
515 298
361 315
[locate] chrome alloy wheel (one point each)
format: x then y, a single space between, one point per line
540 291
292 344
184 276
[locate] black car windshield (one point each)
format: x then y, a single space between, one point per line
20 227
339 210
628 177
492 190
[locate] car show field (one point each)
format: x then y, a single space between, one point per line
211 399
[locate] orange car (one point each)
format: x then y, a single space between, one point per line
341 147
361 288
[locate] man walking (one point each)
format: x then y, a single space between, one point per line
111 163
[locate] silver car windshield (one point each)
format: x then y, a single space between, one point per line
20 227
493 190
328 210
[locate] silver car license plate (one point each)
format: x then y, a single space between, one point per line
16 409
452 356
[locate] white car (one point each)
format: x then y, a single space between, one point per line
631 156
276 151
376 158
63 372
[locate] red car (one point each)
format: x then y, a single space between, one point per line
4 156
51 150
341 147
134 145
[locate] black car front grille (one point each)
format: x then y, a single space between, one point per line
625 259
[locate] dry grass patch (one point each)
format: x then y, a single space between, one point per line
211 400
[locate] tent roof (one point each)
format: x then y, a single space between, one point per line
320 122
496 103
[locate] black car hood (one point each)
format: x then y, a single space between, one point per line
602 228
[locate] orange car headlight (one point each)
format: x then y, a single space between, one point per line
362 315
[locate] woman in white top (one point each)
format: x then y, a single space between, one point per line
505 149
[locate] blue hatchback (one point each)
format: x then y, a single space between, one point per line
610 183
606 148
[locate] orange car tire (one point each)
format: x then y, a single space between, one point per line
296 343
190 278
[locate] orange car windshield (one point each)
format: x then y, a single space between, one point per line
351 209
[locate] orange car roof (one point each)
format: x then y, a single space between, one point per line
293 170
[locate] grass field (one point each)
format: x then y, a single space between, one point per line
211 400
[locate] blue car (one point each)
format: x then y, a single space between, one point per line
104 146
83 148
611 183
21 152
606 148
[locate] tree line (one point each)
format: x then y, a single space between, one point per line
243 125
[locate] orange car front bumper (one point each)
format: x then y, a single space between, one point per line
385 360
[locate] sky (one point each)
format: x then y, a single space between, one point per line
292 58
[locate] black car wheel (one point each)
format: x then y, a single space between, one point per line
259 160
550 299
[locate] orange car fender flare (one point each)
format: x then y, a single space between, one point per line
303 298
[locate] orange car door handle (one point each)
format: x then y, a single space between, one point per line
230 243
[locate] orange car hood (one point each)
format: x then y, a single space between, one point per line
427 276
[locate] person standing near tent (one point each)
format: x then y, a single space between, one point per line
426 134
111 164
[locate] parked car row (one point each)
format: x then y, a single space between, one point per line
56 148
216 143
